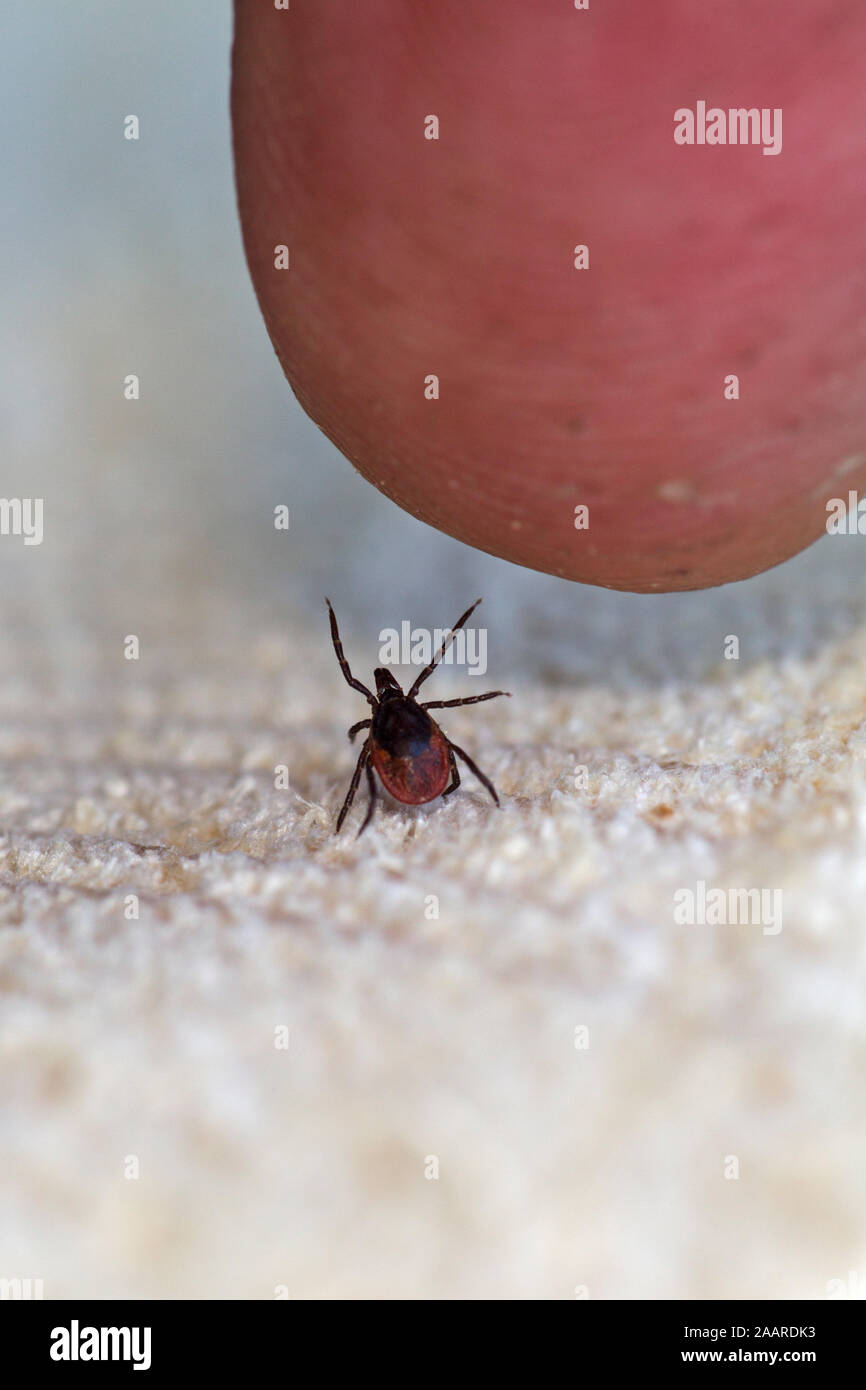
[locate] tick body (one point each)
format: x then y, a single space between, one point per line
414 759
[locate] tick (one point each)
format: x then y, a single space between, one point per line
413 757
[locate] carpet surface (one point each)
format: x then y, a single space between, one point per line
473 1054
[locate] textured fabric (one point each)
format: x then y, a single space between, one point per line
414 1037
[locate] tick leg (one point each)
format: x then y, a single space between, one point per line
344 665
371 783
353 785
361 724
473 767
469 700
410 694
455 773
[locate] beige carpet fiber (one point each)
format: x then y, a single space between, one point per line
419 1041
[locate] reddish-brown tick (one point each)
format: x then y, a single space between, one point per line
411 754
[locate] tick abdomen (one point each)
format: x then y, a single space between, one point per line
408 751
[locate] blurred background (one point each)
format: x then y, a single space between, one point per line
153 1036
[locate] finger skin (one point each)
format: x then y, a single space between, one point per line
559 387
